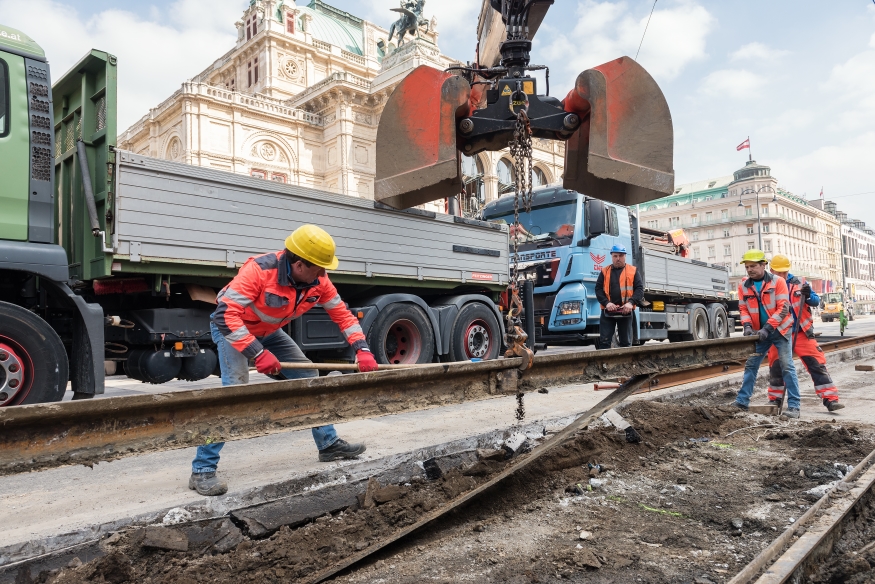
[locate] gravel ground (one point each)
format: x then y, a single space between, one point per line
697 499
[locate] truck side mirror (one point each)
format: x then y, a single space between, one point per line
594 210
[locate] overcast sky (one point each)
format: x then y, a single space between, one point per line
798 77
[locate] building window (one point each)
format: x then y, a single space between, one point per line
765 227
750 245
255 71
504 170
653 224
694 219
712 251
726 232
724 214
767 246
709 217
290 23
764 209
651 208
695 236
258 173
277 177
710 234
249 74
709 198
696 254
673 204
750 228
674 221
748 211
727 250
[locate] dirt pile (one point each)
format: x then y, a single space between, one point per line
685 504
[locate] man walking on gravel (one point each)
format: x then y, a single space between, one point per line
805 346
764 303
268 293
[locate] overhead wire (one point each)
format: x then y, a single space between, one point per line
648 24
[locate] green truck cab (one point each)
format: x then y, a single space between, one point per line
44 325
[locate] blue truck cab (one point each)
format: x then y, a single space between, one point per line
564 242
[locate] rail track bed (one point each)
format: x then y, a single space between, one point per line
699 498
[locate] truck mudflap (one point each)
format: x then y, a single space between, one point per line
623 149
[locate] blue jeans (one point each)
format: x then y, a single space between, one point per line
235 371
788 370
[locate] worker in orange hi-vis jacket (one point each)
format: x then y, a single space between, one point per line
805 346
269 292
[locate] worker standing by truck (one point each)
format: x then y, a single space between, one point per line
619 290
802 298
764 304
268 293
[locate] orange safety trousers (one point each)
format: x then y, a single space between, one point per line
814 360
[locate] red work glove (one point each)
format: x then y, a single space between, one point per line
266 363
366 361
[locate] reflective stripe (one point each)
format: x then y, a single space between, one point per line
238 335
825 386
348 332
333 303
235 296
265 318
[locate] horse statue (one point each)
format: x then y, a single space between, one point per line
410 21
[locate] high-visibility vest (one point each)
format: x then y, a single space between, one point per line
773 297
799 307
627 282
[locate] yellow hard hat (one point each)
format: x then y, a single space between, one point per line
753 255
314 245
780 263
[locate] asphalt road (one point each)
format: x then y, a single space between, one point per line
121 385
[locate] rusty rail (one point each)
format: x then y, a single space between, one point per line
82 432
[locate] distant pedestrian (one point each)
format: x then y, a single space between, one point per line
764 304
802 299
619 290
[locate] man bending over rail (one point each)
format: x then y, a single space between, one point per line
268 293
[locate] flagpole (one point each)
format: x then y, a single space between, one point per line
749 151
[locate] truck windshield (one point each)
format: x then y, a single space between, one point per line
833 298
552 224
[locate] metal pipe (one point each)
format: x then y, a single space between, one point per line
355 367
90 205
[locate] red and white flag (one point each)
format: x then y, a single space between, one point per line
821 192
743 145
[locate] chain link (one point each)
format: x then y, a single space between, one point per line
521 152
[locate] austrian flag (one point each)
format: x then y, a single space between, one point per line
743 145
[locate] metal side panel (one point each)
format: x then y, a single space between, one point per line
176 213
678 275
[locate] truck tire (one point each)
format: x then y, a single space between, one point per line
475 334
401 334
719 323
33 361
699 324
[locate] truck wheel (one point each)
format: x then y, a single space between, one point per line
475 334
720 325
402 335
33 361
699 319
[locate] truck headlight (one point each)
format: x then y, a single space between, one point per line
570 307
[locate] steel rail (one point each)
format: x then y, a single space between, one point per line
82 432
676 378
817 537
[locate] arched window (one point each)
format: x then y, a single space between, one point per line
504 170
539 179
472 180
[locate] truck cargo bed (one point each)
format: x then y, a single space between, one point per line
671 274
175 217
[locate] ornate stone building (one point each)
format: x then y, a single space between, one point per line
724 217
298 99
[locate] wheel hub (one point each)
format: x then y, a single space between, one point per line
477 340
403 343
12 372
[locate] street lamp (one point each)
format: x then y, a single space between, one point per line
757 192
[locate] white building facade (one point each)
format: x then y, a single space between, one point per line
298 99
726 216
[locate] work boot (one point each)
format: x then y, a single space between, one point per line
833 405
739 406
207 483
792 413
340 449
